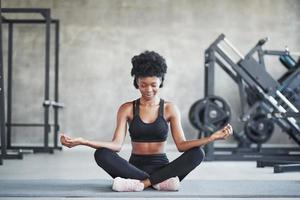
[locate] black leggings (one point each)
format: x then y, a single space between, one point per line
155 167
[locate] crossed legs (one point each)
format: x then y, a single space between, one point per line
116 166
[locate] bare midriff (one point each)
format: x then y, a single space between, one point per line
147 148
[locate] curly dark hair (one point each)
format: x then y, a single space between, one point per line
148 63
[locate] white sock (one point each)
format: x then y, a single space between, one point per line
127 185
171 184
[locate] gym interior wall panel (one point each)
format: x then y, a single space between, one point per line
99 37
26 136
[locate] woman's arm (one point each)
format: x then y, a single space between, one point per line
179 138
118 138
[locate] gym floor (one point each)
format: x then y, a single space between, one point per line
78 164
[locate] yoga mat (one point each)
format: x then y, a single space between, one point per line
189 189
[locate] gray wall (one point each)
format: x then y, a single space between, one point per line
98 39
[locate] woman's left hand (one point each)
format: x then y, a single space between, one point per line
223 133
71 142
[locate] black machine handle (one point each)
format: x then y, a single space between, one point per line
257 47
262 41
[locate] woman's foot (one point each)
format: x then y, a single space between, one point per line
171 184
127 185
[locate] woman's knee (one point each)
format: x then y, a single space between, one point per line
102 154
197 154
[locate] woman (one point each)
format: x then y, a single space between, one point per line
148 119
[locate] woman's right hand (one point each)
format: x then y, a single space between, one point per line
70 142
223 133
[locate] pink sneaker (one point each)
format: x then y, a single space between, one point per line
171 184
127 185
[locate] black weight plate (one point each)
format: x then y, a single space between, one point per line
192 113
259 129
210 113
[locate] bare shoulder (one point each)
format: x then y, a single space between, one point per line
171 110
170 106
126 107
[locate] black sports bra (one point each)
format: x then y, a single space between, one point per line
140 131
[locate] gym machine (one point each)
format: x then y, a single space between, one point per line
264 102
2 103
6 135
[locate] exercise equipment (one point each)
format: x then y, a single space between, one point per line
259 128
2 103
6 134
264 100
209 114
279 166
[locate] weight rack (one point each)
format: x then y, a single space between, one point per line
6 136
2 99
248 72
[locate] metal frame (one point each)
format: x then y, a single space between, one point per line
279 166
46 14
2 99
268 90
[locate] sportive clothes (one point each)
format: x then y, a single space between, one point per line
140 131
156 167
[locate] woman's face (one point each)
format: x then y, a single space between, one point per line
149 86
